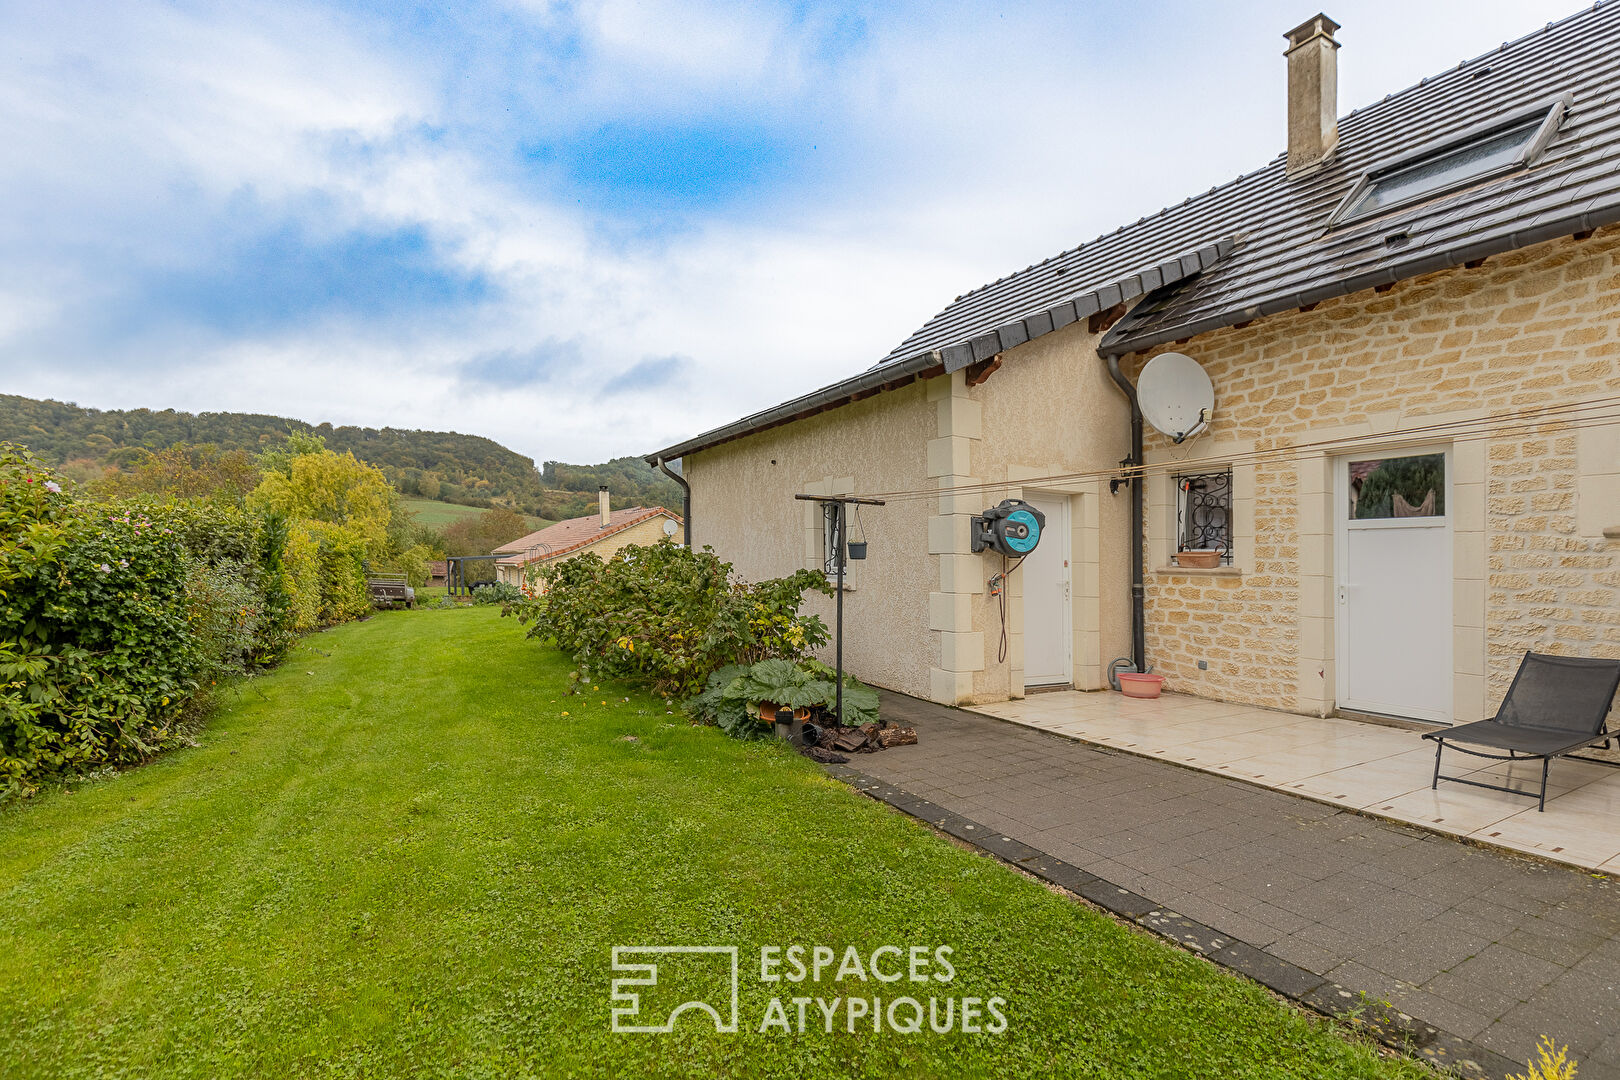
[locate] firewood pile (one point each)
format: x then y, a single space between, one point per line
825 742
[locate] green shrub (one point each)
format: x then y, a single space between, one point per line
733 696
665 617
324 574
234 580
99 653
500 592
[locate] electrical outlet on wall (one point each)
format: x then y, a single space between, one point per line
1203 665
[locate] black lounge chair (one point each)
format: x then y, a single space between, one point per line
1556 705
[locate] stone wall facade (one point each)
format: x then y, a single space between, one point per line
1452 359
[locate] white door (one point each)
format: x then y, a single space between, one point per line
1048 627
1393 597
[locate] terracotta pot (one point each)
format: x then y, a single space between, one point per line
1136 684
767 712
1202 559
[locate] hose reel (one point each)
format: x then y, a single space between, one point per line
1012 528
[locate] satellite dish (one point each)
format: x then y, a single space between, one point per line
1176 395
669 527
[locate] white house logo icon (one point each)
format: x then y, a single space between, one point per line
701 964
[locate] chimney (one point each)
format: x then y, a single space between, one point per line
1313 93
602 504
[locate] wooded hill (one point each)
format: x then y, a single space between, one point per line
444 465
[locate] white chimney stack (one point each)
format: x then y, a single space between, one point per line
602 504
1313 93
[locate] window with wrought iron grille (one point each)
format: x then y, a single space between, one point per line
1204 513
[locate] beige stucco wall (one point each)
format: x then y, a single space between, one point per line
918 616
1048 422
743 507
1377 371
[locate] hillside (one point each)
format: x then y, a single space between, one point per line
439 465
436 515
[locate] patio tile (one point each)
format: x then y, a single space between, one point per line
1570 828
1456 810
1290 766
1378 778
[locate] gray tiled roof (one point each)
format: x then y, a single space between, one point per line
958 352
1262 242
1286 256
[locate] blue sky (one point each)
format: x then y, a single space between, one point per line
590 228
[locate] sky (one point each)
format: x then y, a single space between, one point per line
589 229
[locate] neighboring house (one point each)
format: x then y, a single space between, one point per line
437 570
1412 323
604 532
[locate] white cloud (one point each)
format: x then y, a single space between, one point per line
953 145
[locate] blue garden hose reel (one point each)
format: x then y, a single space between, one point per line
1011 528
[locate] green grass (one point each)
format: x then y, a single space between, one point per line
436 515
397 856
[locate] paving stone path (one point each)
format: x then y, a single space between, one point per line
1487 946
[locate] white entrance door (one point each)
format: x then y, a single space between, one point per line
1048 626
1393 598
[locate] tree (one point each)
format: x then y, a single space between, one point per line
303 482
188 472
482 534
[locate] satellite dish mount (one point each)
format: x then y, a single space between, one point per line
1176 396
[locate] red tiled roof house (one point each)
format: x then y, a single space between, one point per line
604 532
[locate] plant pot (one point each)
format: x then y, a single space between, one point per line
768 711
857 549
1139 685
1200 559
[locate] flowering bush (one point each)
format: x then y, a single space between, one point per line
666 617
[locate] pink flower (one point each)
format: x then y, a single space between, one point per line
53 487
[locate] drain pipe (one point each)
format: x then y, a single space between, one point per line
686 498
1138 589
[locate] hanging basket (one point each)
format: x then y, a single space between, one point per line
857 550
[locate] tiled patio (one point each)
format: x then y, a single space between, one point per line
1363 766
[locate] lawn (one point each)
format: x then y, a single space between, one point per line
436 515
405 852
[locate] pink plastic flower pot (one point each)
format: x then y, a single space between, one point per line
1136 684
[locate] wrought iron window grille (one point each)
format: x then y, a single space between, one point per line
1204 513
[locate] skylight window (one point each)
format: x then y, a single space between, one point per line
1492 150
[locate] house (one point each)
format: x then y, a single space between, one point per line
1413 311
604 532
437 572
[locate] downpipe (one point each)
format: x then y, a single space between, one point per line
1138 587
686 500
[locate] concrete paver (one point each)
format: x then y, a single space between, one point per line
1481 943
